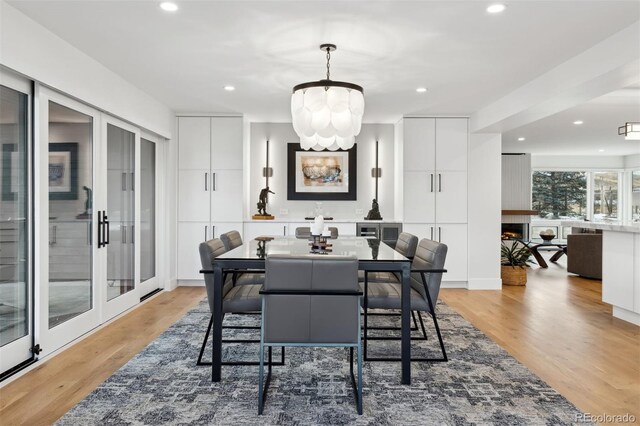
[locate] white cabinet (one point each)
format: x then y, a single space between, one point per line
226 195
454 236
210 189
266 228
435 186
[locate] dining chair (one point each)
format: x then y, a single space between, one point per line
232 240
311 301
303 232
427 268
236 299
406 246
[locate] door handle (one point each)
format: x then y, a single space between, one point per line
205 232
213 176
439 234
439 182
431 174
133 182
213 231
100 243
124 181
431 233
132 233
206 178
124 234
105 223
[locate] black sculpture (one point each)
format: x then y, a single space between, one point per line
262 202
374 213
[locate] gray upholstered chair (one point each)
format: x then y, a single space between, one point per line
406 246
334 232
232 240
426 276
311 301
303 232
235 299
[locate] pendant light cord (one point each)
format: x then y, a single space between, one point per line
328 59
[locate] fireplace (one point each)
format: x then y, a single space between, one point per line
518 231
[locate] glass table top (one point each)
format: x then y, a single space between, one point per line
362 248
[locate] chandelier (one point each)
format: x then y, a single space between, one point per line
327 114
630 131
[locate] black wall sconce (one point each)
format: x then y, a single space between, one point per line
376 173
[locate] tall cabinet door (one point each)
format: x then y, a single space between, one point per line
194 149
419 144
451 197
226 143
419 197
455 237
190 235
194 195
66 173
226 196
451 144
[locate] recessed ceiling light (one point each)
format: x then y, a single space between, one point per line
229 88
421 89
601 150
521 139
496 8
168 6
578 122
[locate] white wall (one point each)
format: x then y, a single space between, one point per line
632 161
279 134
484 200
582 162
34 51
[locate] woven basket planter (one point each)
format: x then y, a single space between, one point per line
513 275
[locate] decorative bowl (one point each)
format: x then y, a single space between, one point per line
547 235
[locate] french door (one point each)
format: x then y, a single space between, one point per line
16 260
149 202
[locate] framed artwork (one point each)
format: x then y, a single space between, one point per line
63 171
321 175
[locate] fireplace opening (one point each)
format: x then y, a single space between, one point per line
515 231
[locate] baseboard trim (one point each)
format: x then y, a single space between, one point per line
485 284
453 284
191 283
626 315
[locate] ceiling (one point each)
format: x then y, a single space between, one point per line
597 135
466 57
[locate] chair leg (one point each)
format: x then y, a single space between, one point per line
360 378
204 344
366 308
435 323
261 380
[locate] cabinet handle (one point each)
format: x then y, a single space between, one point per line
284 230
124 234
213 231
439 182
431 233
439 234
205 233
133 182
124 181
213 175
206 178
431 182
133 232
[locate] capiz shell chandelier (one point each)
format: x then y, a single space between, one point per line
327 114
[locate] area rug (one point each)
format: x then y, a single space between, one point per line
480 385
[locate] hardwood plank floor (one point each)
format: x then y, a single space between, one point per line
45 393
561 330
557 326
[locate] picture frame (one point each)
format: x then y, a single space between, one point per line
63 171
321 175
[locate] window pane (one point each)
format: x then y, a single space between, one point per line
635 196
148 213
560 195
70 218
605 195
13 216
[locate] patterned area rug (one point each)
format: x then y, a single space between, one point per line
481 384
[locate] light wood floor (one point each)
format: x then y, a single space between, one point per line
44 394
556 326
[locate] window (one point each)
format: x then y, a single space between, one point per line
560 195
635 196
605 195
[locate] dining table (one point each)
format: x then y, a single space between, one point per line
372 255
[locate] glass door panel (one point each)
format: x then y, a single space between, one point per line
15 291
148 282
70 188
121 211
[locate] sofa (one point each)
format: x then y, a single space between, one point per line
584 254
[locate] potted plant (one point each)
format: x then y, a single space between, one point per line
514 257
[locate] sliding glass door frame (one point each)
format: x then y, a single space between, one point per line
20 351
52 339
118 305
153 283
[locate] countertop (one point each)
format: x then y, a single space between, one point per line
327 222
605 226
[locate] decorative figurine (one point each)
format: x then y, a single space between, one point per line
262 205
87 204
374 213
